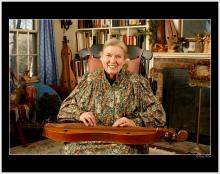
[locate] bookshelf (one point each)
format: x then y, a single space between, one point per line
98 31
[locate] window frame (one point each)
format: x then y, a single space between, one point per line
27 32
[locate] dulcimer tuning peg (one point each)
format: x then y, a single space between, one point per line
174 136
167 136
170 135
182 135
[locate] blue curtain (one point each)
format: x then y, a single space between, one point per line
47 61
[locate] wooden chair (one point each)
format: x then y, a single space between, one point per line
138 63
41 104
23 112
134 53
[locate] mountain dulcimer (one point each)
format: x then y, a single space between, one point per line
74 132
68 79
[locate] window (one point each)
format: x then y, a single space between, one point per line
23 46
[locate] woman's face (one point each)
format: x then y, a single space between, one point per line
113 60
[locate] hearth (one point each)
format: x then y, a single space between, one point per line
180 101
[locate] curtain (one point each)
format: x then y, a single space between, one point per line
47 62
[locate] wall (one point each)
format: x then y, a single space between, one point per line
59 33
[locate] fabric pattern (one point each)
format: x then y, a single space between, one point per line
47 62
129 96
100 148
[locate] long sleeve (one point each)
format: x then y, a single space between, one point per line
129 96
150 112
110 102
75 104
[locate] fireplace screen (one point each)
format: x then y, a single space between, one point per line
180 102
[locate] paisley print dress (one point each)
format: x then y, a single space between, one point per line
130 96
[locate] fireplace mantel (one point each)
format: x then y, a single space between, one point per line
182 55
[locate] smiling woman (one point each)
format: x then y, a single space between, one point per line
112 96
113 57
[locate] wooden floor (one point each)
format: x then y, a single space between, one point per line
185 147
48 146
51 147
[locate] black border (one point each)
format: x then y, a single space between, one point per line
114 10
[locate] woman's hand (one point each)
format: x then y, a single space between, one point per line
123 122
88 118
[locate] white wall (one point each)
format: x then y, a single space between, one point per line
59 33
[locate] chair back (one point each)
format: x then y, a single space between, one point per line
96 50
138 58
84 52
145 62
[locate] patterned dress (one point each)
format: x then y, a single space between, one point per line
128 96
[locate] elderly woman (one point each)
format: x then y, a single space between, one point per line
112 96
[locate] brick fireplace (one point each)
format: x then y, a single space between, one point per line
180 101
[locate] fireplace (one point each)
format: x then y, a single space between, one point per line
179 100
